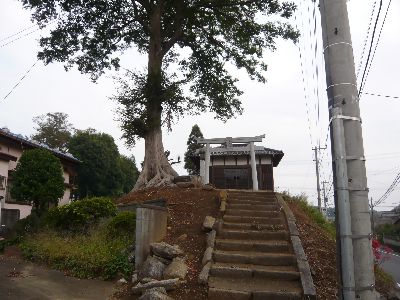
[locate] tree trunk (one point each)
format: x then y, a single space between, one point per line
157 171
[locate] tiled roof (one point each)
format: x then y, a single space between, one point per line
241 149
24 140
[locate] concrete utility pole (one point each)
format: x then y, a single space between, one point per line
316 149
372 218
351 192
324 189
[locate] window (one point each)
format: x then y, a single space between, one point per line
2 183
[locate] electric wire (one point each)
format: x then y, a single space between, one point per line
304 81
22 78
377 43
391 188
366 38
380 95
20 37
17 33
370 49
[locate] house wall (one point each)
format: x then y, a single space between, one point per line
242 160
3 172
24 210
6 166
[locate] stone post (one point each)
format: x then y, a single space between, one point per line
253 167
207 165
151 227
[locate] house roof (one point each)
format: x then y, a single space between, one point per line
243 149
20 139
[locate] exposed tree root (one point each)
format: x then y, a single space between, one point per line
157 171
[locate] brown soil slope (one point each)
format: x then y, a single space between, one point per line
320 249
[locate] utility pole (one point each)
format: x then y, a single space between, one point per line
316 149
372 218
351 192
324 189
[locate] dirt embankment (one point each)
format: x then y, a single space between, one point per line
320 249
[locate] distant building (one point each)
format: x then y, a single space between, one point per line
230 163
11 148
386 217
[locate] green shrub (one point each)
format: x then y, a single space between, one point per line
80 215
124 222
30 224
312 212
93 254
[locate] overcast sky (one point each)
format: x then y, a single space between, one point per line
277 109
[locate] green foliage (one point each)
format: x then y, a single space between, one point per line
93 254
389 230
129 172
80 215
123 222
38 179
313 213
53 130
30 224
99 173
213 34
191 165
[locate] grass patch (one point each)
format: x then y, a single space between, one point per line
312 212
96 253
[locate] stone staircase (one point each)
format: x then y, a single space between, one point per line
253 256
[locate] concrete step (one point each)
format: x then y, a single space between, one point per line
255 258
255 202
251 194
252 198
221 288
278 246
253 213
252 219
262 207
231 270
253 234
253 226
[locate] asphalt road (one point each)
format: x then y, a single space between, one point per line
391 264
23 280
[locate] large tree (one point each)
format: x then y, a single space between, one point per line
191 165
38 179
99 174
92 34
53 130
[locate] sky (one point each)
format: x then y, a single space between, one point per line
285 109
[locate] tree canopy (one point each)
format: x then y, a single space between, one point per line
38 179
53 130
129 172
103 171
191 165
188 44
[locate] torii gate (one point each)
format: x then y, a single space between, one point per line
229 141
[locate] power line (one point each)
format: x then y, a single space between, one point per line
366 38
380 95
20 37
377 42
12 35
370 48
390 189
304 81
22 78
